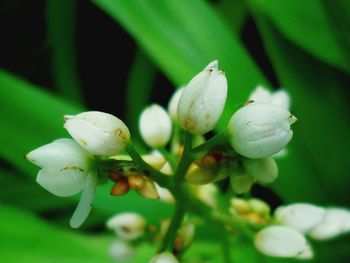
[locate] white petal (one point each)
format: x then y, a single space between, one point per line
279 241
301 217
173 103
260 95
61 154
335 222
98 132
62 182
264 170
85 203
155 126
281 99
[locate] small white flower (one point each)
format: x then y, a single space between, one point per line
202 101
278 98
207 193
155 126
67 170
280 241
184 236
264 170
121 251
64 164
165 257
127 226
98 132
301 217
173 103
260 130
165 195
260 207
336 221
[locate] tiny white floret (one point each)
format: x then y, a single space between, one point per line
155 126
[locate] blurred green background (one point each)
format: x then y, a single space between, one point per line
62 57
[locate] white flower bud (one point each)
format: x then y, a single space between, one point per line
336 221
202 101
165 195
280 241
127 226
260 130
173 103
260 207
301 217
121 251
165 257
184 237
278 98
264 170
155 126
207 193
65 166
98 132
148 190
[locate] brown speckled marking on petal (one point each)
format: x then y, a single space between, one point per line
120 134
72 168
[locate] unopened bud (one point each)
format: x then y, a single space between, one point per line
260 130
121 251
202 101
148 190
240 206
184 237
173 103
100 133
336 221
264 170
260 207
155 126
127 226
136 181
301 217
120 188
165 195
280 241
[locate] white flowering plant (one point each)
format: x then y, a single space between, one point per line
180 166
174 131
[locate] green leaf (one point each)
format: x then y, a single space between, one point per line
29 239
138 92
61 34
306 24
319 102
182 37
18 190
30 117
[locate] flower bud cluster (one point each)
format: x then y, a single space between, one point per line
293 223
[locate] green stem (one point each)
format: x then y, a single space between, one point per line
211 144
169 157
185 159
226 247
178 217
162 179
